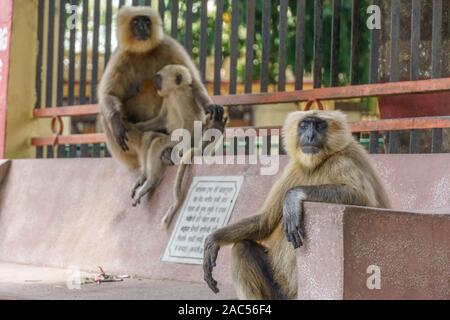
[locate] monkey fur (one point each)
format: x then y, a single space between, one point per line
326 165
127 93
179 109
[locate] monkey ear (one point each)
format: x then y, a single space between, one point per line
178 79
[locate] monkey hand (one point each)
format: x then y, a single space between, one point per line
120 132
293 217
166 157
209 262
216 111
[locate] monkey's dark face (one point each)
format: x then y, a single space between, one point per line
172 78
141 27
312 135
177 81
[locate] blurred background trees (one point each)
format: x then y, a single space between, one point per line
345 38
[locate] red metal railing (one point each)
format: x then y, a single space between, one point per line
82 102
371 90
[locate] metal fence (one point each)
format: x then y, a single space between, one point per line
328 41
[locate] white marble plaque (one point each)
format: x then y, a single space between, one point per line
207 207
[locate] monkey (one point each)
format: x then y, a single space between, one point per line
326 164
127 93
179 110
209 149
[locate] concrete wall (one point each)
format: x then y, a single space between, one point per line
65 213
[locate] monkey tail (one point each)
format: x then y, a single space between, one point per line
177 194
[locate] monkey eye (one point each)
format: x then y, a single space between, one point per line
321 126
304 126
138 20
178 79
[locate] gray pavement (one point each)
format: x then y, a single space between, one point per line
28 282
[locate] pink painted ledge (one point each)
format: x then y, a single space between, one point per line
348 247
77 212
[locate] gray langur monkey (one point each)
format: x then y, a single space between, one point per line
127 92
326 165
179 110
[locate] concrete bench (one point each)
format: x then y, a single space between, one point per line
62 213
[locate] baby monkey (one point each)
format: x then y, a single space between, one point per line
179 110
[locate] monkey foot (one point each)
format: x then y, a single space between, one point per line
147 188
166 157
138 185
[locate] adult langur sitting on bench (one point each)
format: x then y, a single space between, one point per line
127 92
326 165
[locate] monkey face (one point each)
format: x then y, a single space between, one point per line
141 27
312 135
172 78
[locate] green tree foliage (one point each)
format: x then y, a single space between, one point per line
345 36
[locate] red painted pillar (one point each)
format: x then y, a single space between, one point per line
5 41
